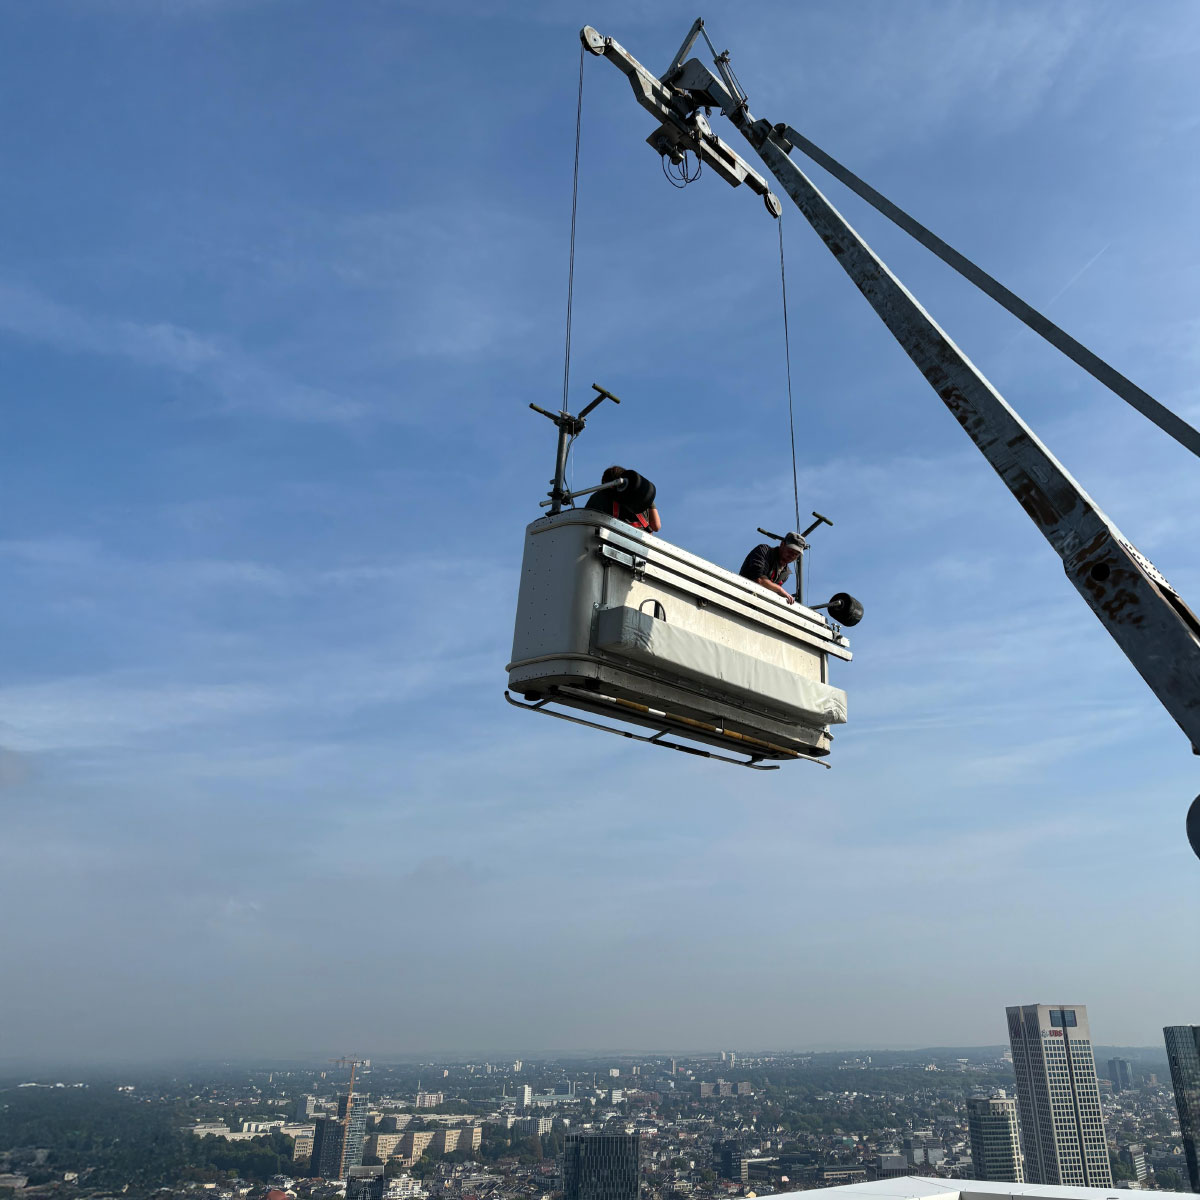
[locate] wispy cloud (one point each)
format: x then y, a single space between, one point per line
238 379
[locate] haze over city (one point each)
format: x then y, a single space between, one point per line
278 283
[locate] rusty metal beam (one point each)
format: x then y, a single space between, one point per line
1170 423
1145 616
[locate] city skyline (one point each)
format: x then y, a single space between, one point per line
497 1054
791 1122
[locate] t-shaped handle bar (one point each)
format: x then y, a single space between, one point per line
819 521
602 394
775 537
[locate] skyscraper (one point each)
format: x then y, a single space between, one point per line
1120 1071
995 1142
338 1144
1062 1127
354 1123
1183 1053
326 1147
602 1166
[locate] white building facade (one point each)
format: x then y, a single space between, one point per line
1058 1098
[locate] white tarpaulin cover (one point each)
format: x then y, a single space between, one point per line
638 636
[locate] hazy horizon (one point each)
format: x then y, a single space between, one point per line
499 1057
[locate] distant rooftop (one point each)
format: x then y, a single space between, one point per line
912 1187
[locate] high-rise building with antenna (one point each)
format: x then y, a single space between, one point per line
1058 1098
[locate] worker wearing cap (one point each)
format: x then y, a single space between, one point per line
770 565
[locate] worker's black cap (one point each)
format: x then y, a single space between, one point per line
794 541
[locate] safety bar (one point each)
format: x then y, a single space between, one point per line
616 484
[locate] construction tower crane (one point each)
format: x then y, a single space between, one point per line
1145 616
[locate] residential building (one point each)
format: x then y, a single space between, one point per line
302 1147
413 1143
890 1166
995 1140
1183 1053
304 1109
382 1145
533 1126
416 1142
733 1164
432 1099
923 1152
1120 1071
524 1096
459 1137
210 1129
602 1166
1134 1157
1058 1099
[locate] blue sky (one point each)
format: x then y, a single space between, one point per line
278 282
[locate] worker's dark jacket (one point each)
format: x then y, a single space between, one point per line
763 563
606 502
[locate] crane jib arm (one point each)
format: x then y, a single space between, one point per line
1146 617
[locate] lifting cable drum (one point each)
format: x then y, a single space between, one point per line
638 493
845 610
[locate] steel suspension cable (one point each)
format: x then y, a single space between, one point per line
574 209
787 349
1153 410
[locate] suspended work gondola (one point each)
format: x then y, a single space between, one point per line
628 628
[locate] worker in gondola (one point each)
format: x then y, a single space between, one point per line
769 566
611 504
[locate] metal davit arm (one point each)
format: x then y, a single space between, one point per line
1144 615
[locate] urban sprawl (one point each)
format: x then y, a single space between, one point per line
1043 1110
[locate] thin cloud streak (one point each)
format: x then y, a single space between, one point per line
242 382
